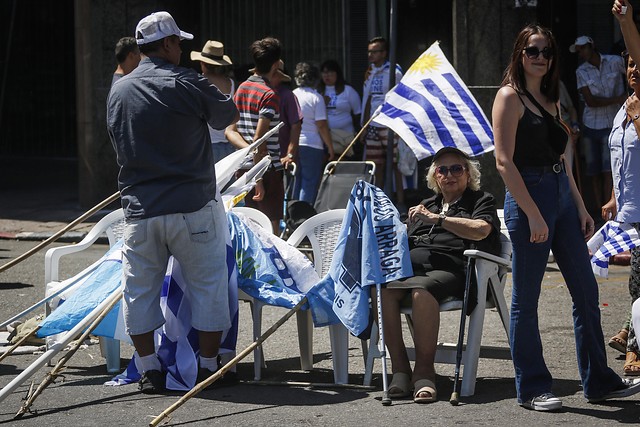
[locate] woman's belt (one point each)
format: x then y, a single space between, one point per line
556 168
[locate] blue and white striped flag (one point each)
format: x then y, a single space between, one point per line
612 238
432 108
372 248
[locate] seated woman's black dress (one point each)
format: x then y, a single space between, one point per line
437 254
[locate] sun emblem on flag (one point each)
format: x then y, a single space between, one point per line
424 64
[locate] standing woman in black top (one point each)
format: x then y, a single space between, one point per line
543 211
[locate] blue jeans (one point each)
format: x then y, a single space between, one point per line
309 172
551 193
597 156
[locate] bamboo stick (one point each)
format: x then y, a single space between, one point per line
58 368
220 372
18 344
56 347
57 235
355 138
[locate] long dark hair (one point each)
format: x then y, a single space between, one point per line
332 65
514 74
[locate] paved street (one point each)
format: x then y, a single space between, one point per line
80 399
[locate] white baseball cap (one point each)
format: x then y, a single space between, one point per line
580 41
157 26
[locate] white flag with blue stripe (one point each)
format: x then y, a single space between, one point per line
612 238
432 108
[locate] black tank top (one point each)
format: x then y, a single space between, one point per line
533 141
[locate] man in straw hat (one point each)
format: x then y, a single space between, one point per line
215 67
168 189
259 112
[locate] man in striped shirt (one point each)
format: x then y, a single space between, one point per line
258 105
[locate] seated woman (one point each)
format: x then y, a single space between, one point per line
460 216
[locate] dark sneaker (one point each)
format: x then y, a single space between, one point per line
153 382
544 402
629 388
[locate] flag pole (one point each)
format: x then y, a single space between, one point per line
220 372
32 395
57 346
355 138
389 163
18 344
55 237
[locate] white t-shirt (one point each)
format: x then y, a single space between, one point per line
341 107
217 135
312 107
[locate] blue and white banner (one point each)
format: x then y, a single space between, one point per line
269 269
432 108
372 248
612 238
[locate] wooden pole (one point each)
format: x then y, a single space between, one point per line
56 347
55 237
18 344
220 372
355 138
58 368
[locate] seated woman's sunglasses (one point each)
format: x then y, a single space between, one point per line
456 170
533 52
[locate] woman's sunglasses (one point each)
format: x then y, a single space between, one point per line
456 170
533 52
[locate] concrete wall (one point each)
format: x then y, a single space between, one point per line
484 32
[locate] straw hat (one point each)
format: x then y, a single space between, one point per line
212 53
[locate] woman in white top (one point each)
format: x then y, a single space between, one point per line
343 105
314 133
215 67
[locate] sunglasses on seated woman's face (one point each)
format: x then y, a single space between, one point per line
456 170
533 52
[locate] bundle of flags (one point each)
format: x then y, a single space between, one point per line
432 108
612 238
372 248
269 269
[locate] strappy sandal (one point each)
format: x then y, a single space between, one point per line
631 364
619 341
400 385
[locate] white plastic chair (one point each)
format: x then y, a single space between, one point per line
256 216
491 275
113 225
322 231
503 229
255 305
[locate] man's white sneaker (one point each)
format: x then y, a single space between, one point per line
544 402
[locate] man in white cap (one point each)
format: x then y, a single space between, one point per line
157 120
601 83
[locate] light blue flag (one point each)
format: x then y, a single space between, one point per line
612 238
87 295
372 248
432 108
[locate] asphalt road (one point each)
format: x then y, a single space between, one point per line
80 399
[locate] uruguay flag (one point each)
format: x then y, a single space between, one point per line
432 108
612 238
372 248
